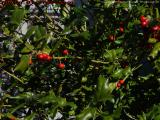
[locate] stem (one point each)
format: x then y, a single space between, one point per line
13 76
133 70
93 61
131 117
136 67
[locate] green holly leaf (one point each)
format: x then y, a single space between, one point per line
30 117
110 68
113 54
30 32
104 89
87 114
157 117
24 96
157 13
27 49
85 35
50 98
17 107
118 74
118 41
18 15
152 40
110 55
108 118
108 3
23 64
155 50
127 71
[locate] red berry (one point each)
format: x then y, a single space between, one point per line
61 66
155 28
121 29
143 18
121 82
111 38
118 85
49 58
40 56
45 56
144 23
65 52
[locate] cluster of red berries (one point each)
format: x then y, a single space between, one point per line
144 21
44 57
112 37
154 30
120 83
62 65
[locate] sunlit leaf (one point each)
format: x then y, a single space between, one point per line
155 50
23 64
104 89
86 114
18 15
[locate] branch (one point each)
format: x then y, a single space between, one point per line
13 76
80 58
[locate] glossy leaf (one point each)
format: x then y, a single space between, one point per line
85 35
30 117
27 49
23 96
23 64
111 55
157 13
104 89
16 108
108 3
118 74
110 69
30 32
18 15
87 114
108 118
152 40
127 71
155 50
50 98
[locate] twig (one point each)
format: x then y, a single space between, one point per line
94 61
133 70
131 117
13 76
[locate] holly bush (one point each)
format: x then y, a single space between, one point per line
99 61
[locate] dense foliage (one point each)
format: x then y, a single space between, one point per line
99 61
